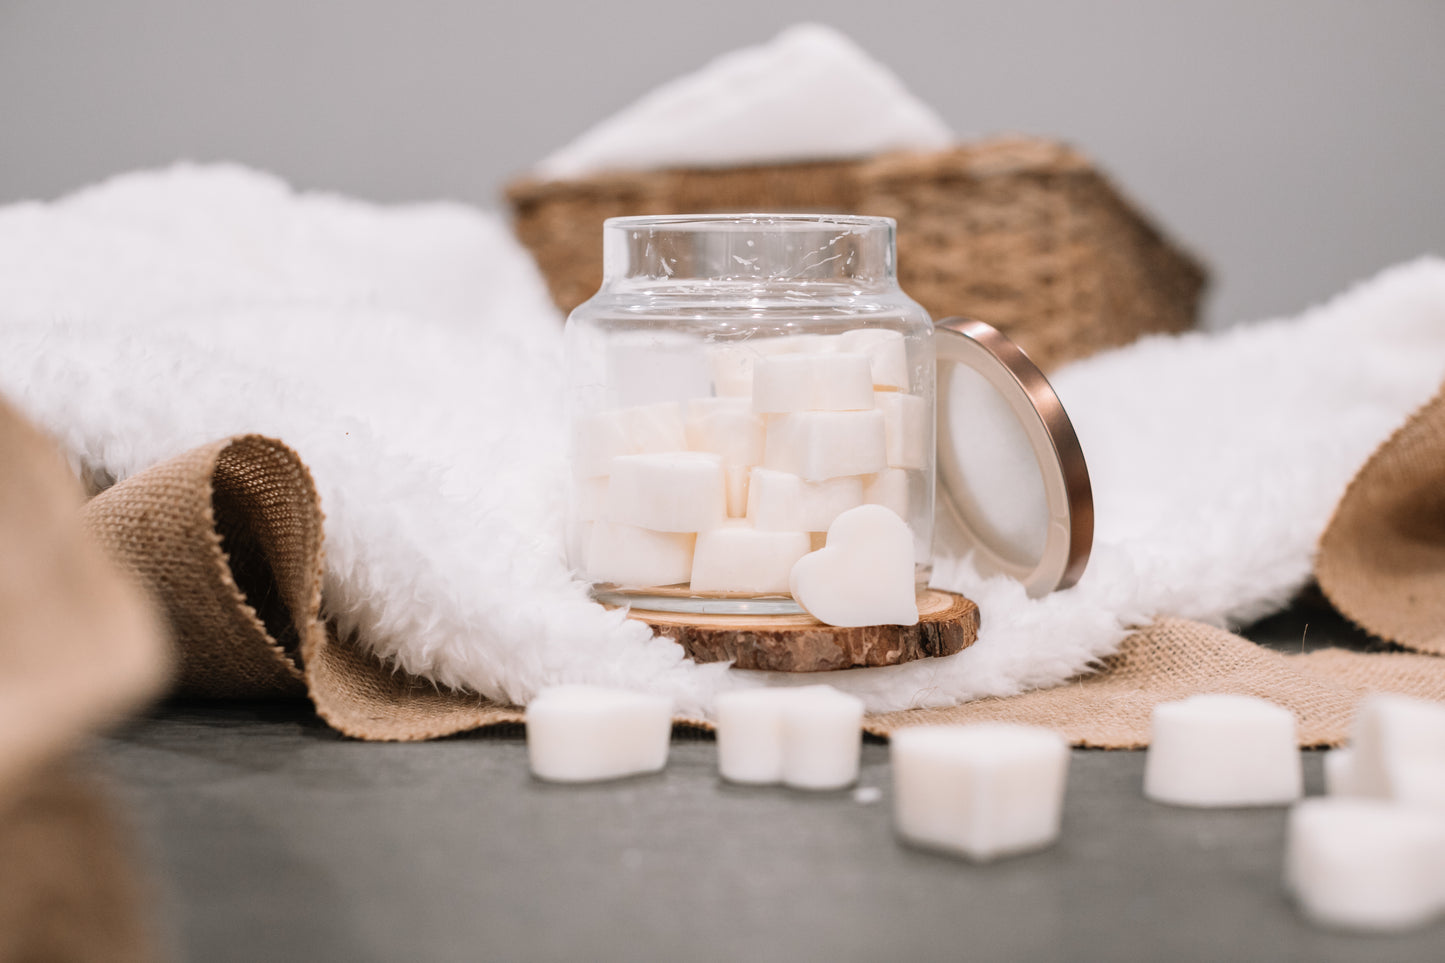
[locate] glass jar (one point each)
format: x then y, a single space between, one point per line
781 353
739 381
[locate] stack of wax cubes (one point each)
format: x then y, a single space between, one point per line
725 493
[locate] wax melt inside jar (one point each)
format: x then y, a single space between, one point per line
738 383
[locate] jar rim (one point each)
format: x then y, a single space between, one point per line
782 221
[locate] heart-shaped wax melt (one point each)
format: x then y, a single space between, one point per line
864 573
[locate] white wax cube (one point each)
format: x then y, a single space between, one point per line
1399 750
826 444
821 381
807 737
628 555
822 738
779 501
649 367
736 477
863 575
599 437
580 733
906 427
727 427
731 366
1222 750
743 559
679 491
886 351
1340 779
888 488
750 735
982 791
1365 864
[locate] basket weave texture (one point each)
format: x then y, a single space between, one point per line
1020 232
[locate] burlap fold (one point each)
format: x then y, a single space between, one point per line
79 647
1382 557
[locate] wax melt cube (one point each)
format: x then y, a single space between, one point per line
807 737
886 352
737 477
822 738
1399 750
863 575
670 492
628 555
906 424
1222 750
726 427
731 367
826 444
982 791
743 559
779 501
1365 864
580 733
1340 779
821 381
888 488
601 436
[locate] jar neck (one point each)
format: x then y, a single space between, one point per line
758 249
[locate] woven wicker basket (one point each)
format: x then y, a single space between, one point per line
1022 233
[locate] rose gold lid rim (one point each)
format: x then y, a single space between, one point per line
1056 448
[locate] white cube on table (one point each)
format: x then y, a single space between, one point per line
817 445
1340 777
580 733
822 738
887 354
982 791
1365 864
680 491
888 488
808 737
812 382
628 555
727 427
744 559
906 426
1222 750
599 437
1399 750
779 501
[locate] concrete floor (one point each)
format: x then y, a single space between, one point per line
272 838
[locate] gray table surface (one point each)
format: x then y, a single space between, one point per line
272 838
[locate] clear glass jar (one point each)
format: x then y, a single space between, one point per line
761 372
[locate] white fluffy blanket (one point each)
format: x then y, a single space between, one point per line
412 358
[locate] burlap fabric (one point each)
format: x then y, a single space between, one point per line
1024 233
79 647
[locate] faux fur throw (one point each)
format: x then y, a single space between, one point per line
412 358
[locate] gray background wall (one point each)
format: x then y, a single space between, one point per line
1297 146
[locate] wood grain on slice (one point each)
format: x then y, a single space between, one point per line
947 624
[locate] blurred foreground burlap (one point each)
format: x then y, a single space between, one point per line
229 537
79 648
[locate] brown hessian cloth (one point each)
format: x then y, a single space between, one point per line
79 648
229 539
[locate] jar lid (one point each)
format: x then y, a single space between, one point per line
1013 484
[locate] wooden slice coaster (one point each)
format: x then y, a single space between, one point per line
947 624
